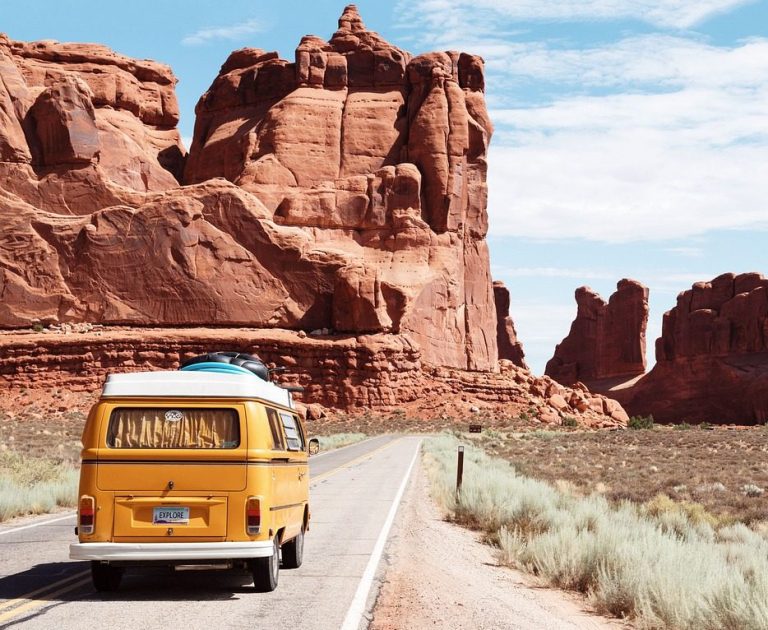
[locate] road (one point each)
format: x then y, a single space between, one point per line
354 496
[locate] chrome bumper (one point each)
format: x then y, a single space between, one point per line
170 551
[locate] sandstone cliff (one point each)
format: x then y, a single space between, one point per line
607 339
372 165
353 198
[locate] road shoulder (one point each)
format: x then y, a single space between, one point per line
441 575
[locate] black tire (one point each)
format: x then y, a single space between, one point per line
106 578
293 551
266 571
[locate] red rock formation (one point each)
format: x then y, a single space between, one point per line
356 198
378 158
366 373
345 191
506 335
712 356
606 340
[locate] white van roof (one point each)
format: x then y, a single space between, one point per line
193 384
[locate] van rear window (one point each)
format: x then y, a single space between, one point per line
167 427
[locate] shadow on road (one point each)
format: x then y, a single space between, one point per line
39 576
43 582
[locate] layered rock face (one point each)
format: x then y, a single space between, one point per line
712 357
510 348
353 195
85 133
372 373
607 339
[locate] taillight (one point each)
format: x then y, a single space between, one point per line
87 514
253 516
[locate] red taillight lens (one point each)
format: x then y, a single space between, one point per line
253 515
87 514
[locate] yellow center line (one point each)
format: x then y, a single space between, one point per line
23 598
351 463
36 603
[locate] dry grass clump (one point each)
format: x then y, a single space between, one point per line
655 564
34 485
337 440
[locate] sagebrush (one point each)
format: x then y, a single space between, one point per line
661 568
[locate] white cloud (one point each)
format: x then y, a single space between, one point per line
451 15
231 32
552 272
637 165
687 252
655 60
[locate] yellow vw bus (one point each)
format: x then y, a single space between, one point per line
202 466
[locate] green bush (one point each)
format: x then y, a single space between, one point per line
640 422
683 426
570 421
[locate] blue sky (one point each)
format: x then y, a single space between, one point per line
631 135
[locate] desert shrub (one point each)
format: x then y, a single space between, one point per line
640 422
34 485
683 426
752 490
662 564
570 421
38 327
337 440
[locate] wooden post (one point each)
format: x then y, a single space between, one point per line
459 471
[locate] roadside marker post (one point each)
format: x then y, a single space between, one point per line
459 471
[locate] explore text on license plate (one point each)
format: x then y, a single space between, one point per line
170 515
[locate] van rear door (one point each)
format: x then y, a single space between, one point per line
170 467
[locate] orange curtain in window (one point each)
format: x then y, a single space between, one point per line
138 427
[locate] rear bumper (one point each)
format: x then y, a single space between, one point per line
170 551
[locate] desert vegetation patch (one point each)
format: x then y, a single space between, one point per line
721 474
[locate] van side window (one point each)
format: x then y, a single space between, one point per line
278 443
292 432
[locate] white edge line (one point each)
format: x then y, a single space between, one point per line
45 522
357 608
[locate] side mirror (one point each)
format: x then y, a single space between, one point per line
314 446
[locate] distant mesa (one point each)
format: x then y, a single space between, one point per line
607 339
711 359
712 356
510 348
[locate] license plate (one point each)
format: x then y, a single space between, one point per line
170 516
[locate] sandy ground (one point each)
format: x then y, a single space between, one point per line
441 576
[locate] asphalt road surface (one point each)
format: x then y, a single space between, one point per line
354 496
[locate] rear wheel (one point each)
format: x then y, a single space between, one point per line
266 570
293 551
105 577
